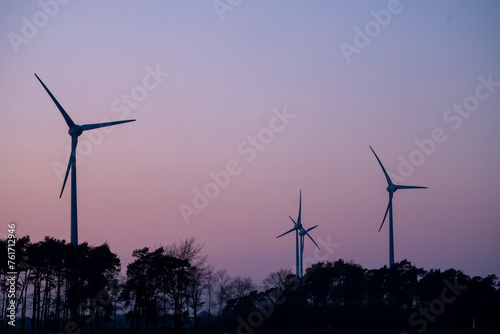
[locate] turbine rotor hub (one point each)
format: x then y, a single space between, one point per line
391 188
75 131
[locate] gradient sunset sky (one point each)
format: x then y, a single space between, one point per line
289 94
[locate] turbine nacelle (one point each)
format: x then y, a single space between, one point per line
392 188
303 232
75 131
297 225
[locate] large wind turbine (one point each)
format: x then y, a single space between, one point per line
74 131
299 231
391 188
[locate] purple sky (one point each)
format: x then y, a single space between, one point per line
348 75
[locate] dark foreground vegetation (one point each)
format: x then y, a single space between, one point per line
62 288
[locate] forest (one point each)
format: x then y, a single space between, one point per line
63 288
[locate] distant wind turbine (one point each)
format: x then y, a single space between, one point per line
74 131
391 188
299 231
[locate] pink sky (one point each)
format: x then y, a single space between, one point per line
225 78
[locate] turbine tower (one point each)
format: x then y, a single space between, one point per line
302 235
391 188
299 231
74 131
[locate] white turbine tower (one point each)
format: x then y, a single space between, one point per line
391 188
74 131
299 231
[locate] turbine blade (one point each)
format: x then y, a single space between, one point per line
65 177
102 125
68 119
294 222
71 162
311 228
312 240
300 206
410 187
293 229
386 211
389 182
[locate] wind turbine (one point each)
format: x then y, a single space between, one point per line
74 131
391 188
299 231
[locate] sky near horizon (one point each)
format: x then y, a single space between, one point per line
239 105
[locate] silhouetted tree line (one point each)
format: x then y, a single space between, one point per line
57 281
344 295
78 289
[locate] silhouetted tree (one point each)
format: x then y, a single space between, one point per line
209 288
186 283
222 292
276 279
